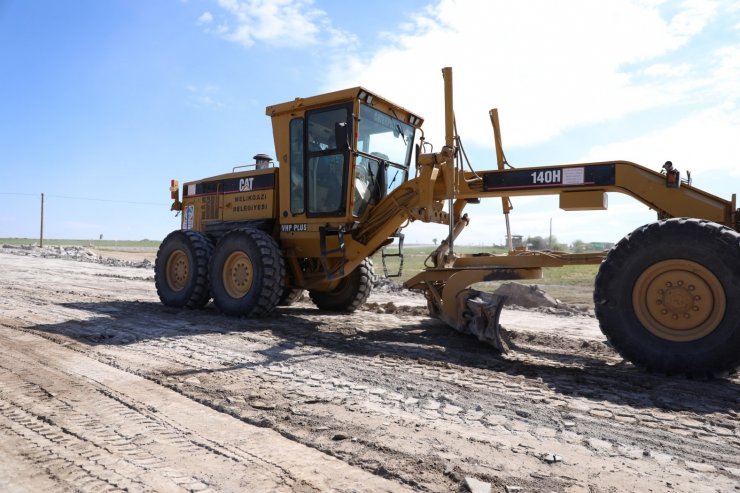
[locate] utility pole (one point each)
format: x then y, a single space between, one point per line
41 237
549 242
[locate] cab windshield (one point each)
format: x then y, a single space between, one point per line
383 153
384 135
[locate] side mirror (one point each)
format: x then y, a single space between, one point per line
341 135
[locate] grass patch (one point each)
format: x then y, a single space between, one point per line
84 243
414 257
570 275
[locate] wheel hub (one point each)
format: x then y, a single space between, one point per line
238 274
679 300
178 270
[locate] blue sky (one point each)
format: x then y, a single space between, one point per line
103 102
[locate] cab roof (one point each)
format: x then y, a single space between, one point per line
345 95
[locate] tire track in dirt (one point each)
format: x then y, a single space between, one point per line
91 436
312 380
405 398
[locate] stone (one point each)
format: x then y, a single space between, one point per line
551 458
597 444
700 467
496 419
430 404
257 404
450 409
476 486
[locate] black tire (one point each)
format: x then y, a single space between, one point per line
181 269
666 297
247 272
290 296
351 292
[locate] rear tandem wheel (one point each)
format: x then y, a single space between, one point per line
181 269
666 295
247 272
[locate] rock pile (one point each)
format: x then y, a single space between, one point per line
526 295
77 253
531 297
386 285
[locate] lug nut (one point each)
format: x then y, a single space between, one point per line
668 284
680 283
664 312
691 287
674 316
695 308
697 297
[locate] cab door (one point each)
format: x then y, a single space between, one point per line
327 161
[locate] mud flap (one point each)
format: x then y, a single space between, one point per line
478 314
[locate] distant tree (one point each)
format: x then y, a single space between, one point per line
578 246
536 243
435 240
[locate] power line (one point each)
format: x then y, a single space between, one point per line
91 199
107 200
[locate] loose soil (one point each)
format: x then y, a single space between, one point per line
103 388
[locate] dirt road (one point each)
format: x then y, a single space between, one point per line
103 388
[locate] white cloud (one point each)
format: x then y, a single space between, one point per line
704 141
726 74
667 70
286 23
692 19
553 67
205 18
548 66
532 218
205 96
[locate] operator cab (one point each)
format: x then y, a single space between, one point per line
346 151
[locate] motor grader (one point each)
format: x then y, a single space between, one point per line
665 295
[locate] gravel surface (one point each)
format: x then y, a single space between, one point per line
103 388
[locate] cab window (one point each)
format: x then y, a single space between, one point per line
296 166
326 162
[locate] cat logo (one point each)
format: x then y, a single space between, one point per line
245 184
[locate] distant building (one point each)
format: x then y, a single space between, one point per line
599 246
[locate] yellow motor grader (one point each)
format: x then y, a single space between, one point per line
340 191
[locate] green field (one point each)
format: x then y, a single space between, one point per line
85 243
572 284
414 257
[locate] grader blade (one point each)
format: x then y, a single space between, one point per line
468 310
478 314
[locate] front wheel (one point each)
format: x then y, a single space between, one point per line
664 297
351 292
